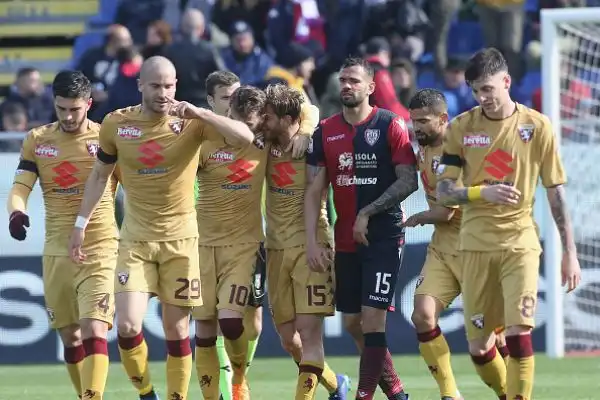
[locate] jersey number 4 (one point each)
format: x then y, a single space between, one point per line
284 172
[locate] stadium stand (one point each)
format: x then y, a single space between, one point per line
40 34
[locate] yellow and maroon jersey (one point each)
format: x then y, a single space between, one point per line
63 162
445 235
286 181
230 183
157 159
516 151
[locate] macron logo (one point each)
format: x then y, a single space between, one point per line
336 137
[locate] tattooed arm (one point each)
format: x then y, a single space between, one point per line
558 206
406 183
449 194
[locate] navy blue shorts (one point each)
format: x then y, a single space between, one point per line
368 277
257 294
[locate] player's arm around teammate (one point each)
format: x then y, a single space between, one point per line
79 298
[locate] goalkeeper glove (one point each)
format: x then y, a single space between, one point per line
17 223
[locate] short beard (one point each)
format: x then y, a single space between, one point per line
428 140
351 103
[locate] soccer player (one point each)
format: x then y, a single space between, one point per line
439 283
220 86
157 155
502 149
299 297
230 237
366 154
79 298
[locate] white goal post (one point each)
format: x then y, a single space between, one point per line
571 99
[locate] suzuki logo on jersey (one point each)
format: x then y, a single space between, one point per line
240 173
221 156
371 136
526 132
46 151
349 180
151 158
345 161
92 147
129 132
498 166
336 137
478 140
65 177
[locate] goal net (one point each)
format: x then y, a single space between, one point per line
571 98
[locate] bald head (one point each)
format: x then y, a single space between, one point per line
157 84
192 22
155 67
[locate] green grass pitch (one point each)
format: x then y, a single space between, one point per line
570 378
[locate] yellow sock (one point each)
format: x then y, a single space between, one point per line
521 367
208 368
308 379
492 370
237 350
179 368
74 362
503 350
95 368
436 353
134 357
328 379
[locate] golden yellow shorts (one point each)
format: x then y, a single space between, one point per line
226 273
293 288
76 291
440 277
499 289
167 269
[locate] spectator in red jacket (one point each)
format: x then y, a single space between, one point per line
377 52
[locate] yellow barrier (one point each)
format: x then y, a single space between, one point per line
48 8
37 53
41 29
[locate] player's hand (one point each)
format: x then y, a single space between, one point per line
570 271
184 110
75 243
412 221
360 231
298 145
501 194
319 257
17 223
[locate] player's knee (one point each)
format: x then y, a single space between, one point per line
291 344
231 328
70 335
519 345
353 325
480 347
373 320
253 325
128 328
93 328
424 318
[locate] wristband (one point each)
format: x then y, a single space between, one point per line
474 193
81 222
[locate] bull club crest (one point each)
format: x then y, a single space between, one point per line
371 136
435 163
123 277
92 147
176 126
477 321
259 142
526 132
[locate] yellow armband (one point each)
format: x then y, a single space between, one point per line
17 198
474 193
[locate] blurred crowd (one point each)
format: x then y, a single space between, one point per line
300 43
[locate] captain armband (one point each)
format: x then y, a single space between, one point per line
105 157
474 193
452 160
